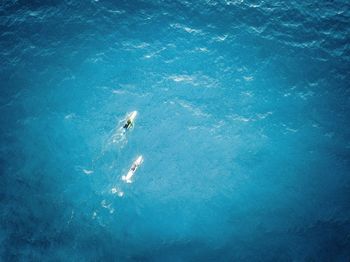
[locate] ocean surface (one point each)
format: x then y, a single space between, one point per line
243 123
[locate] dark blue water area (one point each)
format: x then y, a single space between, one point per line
243 124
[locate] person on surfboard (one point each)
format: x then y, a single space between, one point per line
130 121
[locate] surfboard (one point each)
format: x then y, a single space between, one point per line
130 120
135 165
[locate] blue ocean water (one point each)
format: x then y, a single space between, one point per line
243 123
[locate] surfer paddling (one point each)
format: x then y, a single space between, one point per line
130 120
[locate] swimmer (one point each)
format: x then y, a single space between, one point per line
133 169
130 120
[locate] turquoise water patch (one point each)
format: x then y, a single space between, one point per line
242 123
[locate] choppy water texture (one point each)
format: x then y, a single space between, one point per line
243 124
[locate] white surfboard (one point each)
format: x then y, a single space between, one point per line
133 116
132 170
131 119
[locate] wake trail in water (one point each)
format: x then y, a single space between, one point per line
116 140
